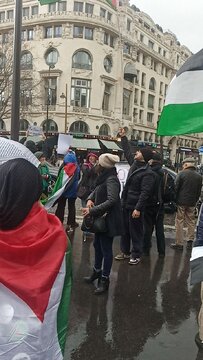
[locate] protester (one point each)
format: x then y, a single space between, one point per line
196 262
89 176
35 268
137 191
44 172
188 187
105 200
154 210
70 192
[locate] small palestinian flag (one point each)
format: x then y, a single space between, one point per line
113 3
35 286
183 109
64 178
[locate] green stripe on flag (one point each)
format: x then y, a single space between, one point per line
46 2
63 310
178 119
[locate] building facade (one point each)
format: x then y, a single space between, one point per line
107 67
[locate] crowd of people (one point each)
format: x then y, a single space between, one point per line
132 215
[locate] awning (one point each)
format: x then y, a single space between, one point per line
111 145
130 69
85 144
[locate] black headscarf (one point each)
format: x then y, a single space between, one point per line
20 188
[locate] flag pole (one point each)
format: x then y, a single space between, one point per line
15 105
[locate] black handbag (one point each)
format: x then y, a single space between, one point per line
94 225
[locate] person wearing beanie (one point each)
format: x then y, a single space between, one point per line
188 185
105 201
71 169
35 262
154 211
137 193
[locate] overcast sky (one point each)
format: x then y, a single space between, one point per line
183 17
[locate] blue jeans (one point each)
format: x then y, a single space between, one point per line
103 253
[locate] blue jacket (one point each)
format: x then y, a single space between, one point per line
71 190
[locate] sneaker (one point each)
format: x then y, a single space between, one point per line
122 256
176 247
189 244
134 261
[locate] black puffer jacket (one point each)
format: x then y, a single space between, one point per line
107 200
158 191
188 187
139 188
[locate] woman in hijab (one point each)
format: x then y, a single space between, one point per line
35 277
105 201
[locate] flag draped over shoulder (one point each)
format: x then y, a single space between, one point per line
63 181
183 109
35 285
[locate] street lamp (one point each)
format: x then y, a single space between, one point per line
51 66
64 96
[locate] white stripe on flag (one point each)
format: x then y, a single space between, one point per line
22 333
58 193
187 88
197 252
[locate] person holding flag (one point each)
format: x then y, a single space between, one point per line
35 276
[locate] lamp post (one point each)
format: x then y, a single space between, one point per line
64 96
51 66
15 107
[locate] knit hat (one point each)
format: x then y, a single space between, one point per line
108 161
156 156
39 154
92 155
147 154
189 160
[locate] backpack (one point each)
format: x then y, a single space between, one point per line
169 189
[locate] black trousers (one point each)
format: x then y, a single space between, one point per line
60 211
154 217
133 231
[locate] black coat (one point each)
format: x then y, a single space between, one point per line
188 187
106 198
139 189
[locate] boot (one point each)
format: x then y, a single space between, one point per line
103 286
95 275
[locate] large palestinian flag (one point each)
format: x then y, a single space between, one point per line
35 285
65 176
183 109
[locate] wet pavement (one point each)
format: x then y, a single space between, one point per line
150 311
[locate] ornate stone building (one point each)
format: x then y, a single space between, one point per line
110 67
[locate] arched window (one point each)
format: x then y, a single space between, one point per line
152 84
24 125
49 125
51 56
82 60
2 61
26 60
104 130
2 125
79 127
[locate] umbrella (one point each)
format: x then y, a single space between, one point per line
10 149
